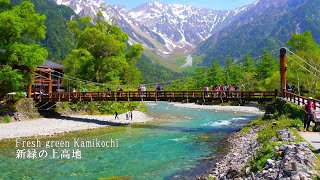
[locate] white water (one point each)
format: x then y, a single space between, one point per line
189 62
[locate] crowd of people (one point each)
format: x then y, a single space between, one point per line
222 90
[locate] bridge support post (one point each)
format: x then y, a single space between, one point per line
283 69
30 85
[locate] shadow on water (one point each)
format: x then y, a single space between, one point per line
203 166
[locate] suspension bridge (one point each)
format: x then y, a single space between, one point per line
183 95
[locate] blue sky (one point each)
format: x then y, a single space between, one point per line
211 4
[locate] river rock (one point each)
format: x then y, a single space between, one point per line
297 159
242 149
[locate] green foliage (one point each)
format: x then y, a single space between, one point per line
296 123
249 72
305 47
101 54
316 129
215 75
266 67
294 111
6 119
262 155
10 80
20 30
271 129
59 41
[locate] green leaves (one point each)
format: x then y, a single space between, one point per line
27 55
10 80
104 47
20 28
301 70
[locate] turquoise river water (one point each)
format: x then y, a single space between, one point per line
182 146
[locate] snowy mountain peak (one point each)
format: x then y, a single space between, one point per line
165 28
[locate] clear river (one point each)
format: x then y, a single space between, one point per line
181 145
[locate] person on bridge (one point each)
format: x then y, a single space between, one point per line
84 90
109 91
73 92
308 110
237 88
206 89
293 88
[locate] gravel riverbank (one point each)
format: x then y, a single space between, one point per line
51 126
244 109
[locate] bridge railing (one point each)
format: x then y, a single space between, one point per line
300 100
155 95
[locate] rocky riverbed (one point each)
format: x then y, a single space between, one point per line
295 161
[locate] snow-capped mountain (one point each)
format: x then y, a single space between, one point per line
165 28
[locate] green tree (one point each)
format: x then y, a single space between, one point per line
215 73
232 72
266 67
10 80
20 30
249 72
303 70
106 45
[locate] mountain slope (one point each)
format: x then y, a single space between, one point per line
165 28
267 24
58 41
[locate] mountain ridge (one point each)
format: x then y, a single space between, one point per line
164 28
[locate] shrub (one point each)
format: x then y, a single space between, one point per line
294 111
6 119
262 155
297 123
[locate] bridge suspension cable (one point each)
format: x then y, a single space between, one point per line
303 60
303 67
71 78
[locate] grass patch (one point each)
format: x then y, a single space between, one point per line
6 119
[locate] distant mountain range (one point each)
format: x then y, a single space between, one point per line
265 25
171 29
165 28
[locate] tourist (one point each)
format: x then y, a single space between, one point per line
127 115
158 90
237 88
41 93
205 89
219 91
143 91
288 87
116 115
84 90
109 91
73 92
215 88
131 115
308 110
227 91
293 88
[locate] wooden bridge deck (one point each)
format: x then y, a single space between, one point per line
175 96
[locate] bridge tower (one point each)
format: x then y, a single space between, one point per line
283 69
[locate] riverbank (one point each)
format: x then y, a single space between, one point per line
62 124
267 149
244 109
